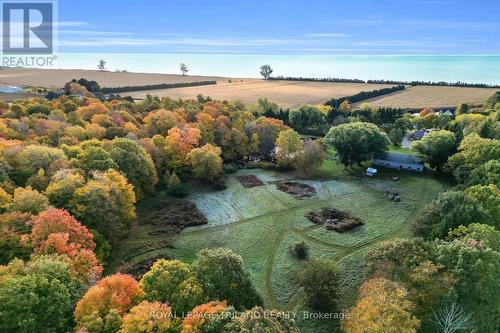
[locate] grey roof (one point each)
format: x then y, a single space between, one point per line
400 158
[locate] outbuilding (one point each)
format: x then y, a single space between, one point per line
398 161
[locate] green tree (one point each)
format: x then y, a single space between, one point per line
221 274
488 196
475 269
172 282
136 163
266 71
473 153
356 142
450 210
436 147
396 136
463 109
306 116
96 159
41 300
320 279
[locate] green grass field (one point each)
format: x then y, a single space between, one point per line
261 224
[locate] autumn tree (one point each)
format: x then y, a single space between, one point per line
263 134
136 163
221 274
206 163
172 282
27 200
105 203
13 227
56 231
208 317
61 189
148 317
320 279
311 156
356 142
102 307
436 147
160 121
266 321
178 143
382 307
33 158
288 147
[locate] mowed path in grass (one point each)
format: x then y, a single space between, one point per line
261 224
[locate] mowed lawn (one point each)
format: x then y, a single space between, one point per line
432 97
262 223
287 94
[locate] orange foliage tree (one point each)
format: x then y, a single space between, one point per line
201 315
382 307
105 303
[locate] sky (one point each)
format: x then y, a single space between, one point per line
281 27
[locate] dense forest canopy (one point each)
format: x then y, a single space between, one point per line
72 169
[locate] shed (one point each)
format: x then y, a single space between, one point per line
398 161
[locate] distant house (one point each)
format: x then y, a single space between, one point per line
417 135
398 161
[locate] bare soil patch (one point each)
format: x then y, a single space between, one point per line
334 219
174 216
137 270
249 181
297 190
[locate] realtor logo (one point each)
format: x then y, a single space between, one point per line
27 27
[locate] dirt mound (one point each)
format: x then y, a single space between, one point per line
250 181
297 190
137 270
173 216
334 219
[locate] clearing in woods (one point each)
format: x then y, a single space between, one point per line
261 223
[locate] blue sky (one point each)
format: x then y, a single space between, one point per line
281 26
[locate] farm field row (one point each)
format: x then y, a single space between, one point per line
285 93
56 78
432 97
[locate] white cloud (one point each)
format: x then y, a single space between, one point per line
327 34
